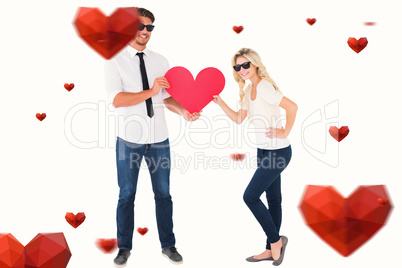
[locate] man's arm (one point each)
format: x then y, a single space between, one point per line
124 99
177 108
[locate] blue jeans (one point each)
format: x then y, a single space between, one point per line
267 178
128 157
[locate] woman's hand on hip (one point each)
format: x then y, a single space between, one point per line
276 133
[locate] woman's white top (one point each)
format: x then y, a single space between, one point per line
264 112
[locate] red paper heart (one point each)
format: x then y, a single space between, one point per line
142 231
107 35
238 29
345 223
311 21
106 245
41 116
75 220
69 87
237 157
43 251
194 95
339 134
357 45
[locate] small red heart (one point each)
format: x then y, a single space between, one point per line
238 29
41 116
69 87
75 220
345 223
237 157
369 23
192 94
142 231
339 134
107 35
357 45
106 245
311 21
382 201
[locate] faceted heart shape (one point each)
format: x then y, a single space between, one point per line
107 35
339 134
43 251
237 157
75 220
41 116
69 87
345 223
106 245
142 231
357 45
311 21
194 95
238 29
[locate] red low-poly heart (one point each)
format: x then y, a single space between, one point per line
238 29
311 21
48 250
107 35
69 87
194 95
41 116
345 223
142 231
357 45
370 23
339 134
237 157
75 220
106 245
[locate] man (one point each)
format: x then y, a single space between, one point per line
136 86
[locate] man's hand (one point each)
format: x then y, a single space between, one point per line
191 117
159 83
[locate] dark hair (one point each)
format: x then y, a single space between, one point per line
146 13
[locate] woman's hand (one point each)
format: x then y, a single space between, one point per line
276 133
217 99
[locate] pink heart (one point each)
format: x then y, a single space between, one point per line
192 94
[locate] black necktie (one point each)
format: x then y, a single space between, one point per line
145 85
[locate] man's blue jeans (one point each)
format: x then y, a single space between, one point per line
267 178
128 157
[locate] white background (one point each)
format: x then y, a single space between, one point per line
45 174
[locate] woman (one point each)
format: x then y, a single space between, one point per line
260 102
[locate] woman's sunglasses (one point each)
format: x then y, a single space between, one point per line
245 65
149 27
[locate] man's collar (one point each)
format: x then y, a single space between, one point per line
133 51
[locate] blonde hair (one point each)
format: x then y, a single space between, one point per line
255 59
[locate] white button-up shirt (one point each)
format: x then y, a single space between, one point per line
122 74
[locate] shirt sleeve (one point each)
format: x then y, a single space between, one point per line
245 103
164 93
270 94
113 84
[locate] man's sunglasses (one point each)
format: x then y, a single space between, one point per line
245 65
149 27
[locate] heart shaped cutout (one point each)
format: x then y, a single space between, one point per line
69 87
142 231
44 250
357 45
339 134
311 21
41 116
107 35
192 94
345 223
107 245
238 29
75 220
